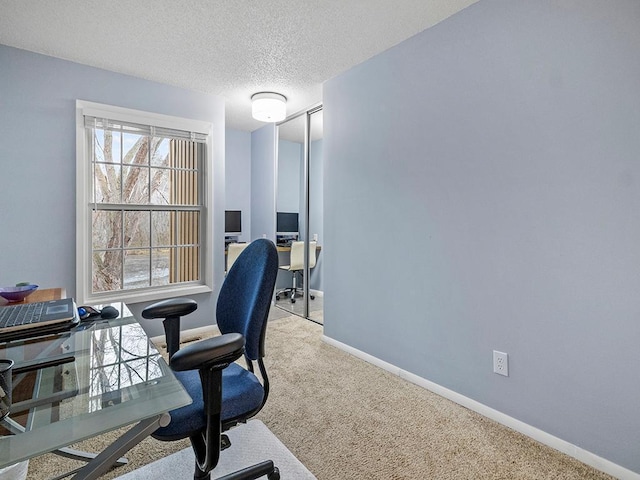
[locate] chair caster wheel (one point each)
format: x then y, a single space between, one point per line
312 297
275 475
293 300
277 297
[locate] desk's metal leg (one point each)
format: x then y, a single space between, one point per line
106 459
74 454
82 456
13 426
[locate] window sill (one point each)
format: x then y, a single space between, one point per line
146 296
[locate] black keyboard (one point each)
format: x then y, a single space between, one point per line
28 313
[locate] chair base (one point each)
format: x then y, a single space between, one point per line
254 472
249 473
293 290
297 293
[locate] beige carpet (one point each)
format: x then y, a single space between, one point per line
346 419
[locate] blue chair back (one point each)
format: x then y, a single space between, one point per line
246 294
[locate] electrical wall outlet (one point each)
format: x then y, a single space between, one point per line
500 363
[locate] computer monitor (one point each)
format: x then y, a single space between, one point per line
286 223
232 222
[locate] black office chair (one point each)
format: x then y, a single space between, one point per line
223 392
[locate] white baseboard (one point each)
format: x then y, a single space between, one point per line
541 436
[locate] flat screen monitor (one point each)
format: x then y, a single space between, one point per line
286 223
232 222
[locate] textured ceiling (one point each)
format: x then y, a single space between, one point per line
231 48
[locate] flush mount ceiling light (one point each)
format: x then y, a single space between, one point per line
268 107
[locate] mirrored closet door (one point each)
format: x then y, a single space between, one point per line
299 216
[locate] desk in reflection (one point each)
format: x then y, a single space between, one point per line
287 248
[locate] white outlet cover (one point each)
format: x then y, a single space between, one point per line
500 363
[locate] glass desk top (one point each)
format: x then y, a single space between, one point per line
99 377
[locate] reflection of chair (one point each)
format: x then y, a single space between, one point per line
296 261
233 250
223 392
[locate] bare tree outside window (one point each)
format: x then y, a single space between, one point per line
146 209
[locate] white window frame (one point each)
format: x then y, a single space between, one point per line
84 294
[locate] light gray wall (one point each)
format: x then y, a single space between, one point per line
38 163
263 180
238 177
488 170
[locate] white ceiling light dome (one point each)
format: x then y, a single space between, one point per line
269 107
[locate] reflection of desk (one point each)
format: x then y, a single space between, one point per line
119 379
281 248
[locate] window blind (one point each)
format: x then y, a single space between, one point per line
140 129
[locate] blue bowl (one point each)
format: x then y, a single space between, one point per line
17 294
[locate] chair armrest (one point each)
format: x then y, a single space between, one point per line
173 307
212 352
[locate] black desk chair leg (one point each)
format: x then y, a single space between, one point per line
254 472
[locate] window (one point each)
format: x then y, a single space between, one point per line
142 211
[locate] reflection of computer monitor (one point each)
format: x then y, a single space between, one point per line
232 222
286 223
